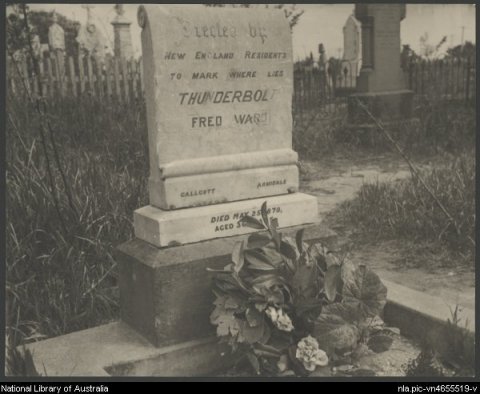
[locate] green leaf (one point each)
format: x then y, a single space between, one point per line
258 260
299 239
288 250
332 282
251 222
257 240
380 342
335 328
226 322
363 288
273 256
309 305
250 334
304 281
238 256
263 210
254 317
268 280
254 362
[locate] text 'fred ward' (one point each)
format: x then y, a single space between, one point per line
41 388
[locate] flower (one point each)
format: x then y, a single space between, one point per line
279 319
310 355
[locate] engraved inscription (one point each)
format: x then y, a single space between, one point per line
229 222
271 183
194 193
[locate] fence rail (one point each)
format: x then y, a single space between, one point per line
314 87
112 78
449 78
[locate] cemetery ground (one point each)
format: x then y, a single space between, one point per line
75 175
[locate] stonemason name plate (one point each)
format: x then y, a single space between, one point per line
219 85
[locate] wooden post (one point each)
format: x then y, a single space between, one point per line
25 75
117 79
99 77
90 76
81 73
125 79
51 81
108 76
73 79
142 85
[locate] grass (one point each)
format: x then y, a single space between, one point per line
71 193
60 267
405 210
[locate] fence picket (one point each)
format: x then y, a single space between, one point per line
81 73
313 87
117 78
90 76
125 79
71 69
108 68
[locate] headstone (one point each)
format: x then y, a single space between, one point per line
381 83
56 40
36 46
121 32
56 35
219 86
351 60
90 39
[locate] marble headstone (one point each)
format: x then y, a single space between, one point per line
351 60
219 84
218 105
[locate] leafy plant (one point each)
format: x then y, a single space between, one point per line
288 306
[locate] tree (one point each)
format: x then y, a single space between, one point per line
291 13
38 23
466 50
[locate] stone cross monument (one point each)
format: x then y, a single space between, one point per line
121 31
89 38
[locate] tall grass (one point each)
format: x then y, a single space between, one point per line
405 210
437 126
63 279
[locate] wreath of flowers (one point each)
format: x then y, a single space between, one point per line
292 308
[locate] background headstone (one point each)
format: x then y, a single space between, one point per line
121 32
56 41
90 39
351 50
381 47
381 84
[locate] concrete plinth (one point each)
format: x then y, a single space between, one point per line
166 294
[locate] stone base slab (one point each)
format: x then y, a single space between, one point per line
166 293
169 228
115 349
220 187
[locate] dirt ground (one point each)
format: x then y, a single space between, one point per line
336 179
